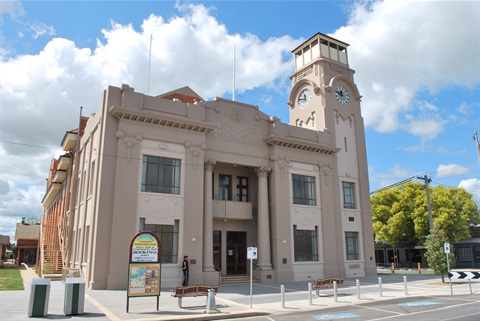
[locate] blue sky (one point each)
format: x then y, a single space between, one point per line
417 67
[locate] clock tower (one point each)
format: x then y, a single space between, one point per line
322 83
325 99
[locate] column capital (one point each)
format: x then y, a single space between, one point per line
209 163
262 171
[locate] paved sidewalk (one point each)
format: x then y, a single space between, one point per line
232 301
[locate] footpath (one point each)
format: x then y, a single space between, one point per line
233 301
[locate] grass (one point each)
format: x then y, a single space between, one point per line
11 280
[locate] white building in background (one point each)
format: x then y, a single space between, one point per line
211 178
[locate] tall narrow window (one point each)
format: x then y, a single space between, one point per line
242 189
92 178
304 192
351 242
348 195
225 187
168 237
160 175
305 244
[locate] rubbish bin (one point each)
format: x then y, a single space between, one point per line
39 295
74 296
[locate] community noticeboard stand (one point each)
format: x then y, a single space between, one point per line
144 268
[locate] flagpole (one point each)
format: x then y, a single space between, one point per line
233 89
149 60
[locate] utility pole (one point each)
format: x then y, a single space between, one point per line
430 218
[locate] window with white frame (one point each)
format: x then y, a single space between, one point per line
303 189
351 243
305 244
160 175
348 195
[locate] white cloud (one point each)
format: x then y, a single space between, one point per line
451 170
473 186
41 29
13 7
403 47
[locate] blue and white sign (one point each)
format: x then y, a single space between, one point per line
447 248
252 253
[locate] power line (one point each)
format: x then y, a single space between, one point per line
393 185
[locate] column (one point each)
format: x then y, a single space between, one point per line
208 218
263 247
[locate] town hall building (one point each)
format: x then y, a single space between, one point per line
212 178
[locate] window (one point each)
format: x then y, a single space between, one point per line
225 187
464 254
348 195
242 189
160 175
476 252
351 241
304 190
168 238
92 177
305 244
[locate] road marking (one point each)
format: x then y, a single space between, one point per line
419 303
331 316
107 312
420 312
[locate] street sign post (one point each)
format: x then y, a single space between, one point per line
252 255
446 248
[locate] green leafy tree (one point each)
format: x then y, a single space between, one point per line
401 214
436 256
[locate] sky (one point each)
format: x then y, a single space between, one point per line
417 67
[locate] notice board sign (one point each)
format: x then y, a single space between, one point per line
144 268
144 279
145 247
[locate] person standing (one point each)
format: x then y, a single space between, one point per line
185 266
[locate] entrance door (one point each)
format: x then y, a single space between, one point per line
236 252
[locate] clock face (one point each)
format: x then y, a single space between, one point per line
304 98
342 95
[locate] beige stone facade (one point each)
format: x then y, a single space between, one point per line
212 178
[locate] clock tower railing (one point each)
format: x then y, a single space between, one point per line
320 46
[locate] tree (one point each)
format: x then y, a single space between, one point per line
400 214
436 256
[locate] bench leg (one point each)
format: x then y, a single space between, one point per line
318 292
180 303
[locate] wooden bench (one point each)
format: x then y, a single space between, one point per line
181 292
326 283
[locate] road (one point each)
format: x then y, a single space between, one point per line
434 308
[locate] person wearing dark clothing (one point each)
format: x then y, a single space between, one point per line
185 265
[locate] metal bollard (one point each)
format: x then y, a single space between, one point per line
357 281
282 291
405 285
380 286
470 285
310 293
335 291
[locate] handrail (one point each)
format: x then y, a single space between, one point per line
219 270
259 268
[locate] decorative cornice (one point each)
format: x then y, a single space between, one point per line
301 145
160 119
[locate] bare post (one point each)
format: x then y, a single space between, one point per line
357 281
310 293
380 286
335 291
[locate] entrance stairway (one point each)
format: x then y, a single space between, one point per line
238 279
